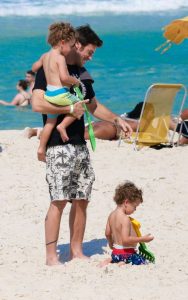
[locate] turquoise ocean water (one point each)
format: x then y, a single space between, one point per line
122 69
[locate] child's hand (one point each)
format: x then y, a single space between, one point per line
147 238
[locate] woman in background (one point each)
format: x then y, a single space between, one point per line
22 98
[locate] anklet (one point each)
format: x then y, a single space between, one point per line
51 243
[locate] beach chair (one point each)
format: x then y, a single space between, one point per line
153 124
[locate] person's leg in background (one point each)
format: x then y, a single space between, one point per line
184 117
30 132
183 127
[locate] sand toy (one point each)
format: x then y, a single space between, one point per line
143 250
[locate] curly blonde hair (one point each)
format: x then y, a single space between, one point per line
127 190
60 31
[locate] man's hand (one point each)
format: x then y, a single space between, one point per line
78 110
124 126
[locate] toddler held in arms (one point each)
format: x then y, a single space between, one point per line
121 236
62 38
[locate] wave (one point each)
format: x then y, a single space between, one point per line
87 7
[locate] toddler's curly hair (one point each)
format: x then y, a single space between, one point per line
127 190
60 31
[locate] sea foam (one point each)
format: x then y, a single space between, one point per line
87 7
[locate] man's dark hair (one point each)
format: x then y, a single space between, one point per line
87 36
31 72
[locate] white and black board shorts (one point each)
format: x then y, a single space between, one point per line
69 173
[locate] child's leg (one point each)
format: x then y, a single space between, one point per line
68 120
45 135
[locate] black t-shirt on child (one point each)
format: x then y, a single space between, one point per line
76 130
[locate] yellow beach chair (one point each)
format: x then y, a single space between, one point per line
153 124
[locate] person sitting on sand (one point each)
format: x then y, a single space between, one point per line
120 234
62 38
109 131
22 98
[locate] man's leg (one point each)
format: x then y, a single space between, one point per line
184 116
108 131
102 130
52 224
184 139
77 223
30 132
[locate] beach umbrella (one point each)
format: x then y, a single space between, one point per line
175 33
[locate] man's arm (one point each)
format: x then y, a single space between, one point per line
103 113
39 104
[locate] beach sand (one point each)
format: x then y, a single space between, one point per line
162 174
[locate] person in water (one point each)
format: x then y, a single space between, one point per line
21 98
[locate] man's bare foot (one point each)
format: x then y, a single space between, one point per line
41 154
80 256
63 133
53 262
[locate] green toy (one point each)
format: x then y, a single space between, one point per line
90 127
143 250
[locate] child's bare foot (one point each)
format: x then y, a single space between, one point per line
104 262
41 154
63 133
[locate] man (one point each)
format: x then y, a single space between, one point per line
30 78
69 172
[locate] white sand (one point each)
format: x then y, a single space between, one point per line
24 202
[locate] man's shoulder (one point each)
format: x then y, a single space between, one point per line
84 74
80 72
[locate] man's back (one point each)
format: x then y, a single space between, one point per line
51 61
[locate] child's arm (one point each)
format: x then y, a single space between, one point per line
108 234
38 64
127 239
64 74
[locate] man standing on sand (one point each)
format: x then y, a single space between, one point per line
69 173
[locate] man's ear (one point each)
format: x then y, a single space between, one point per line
78 45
